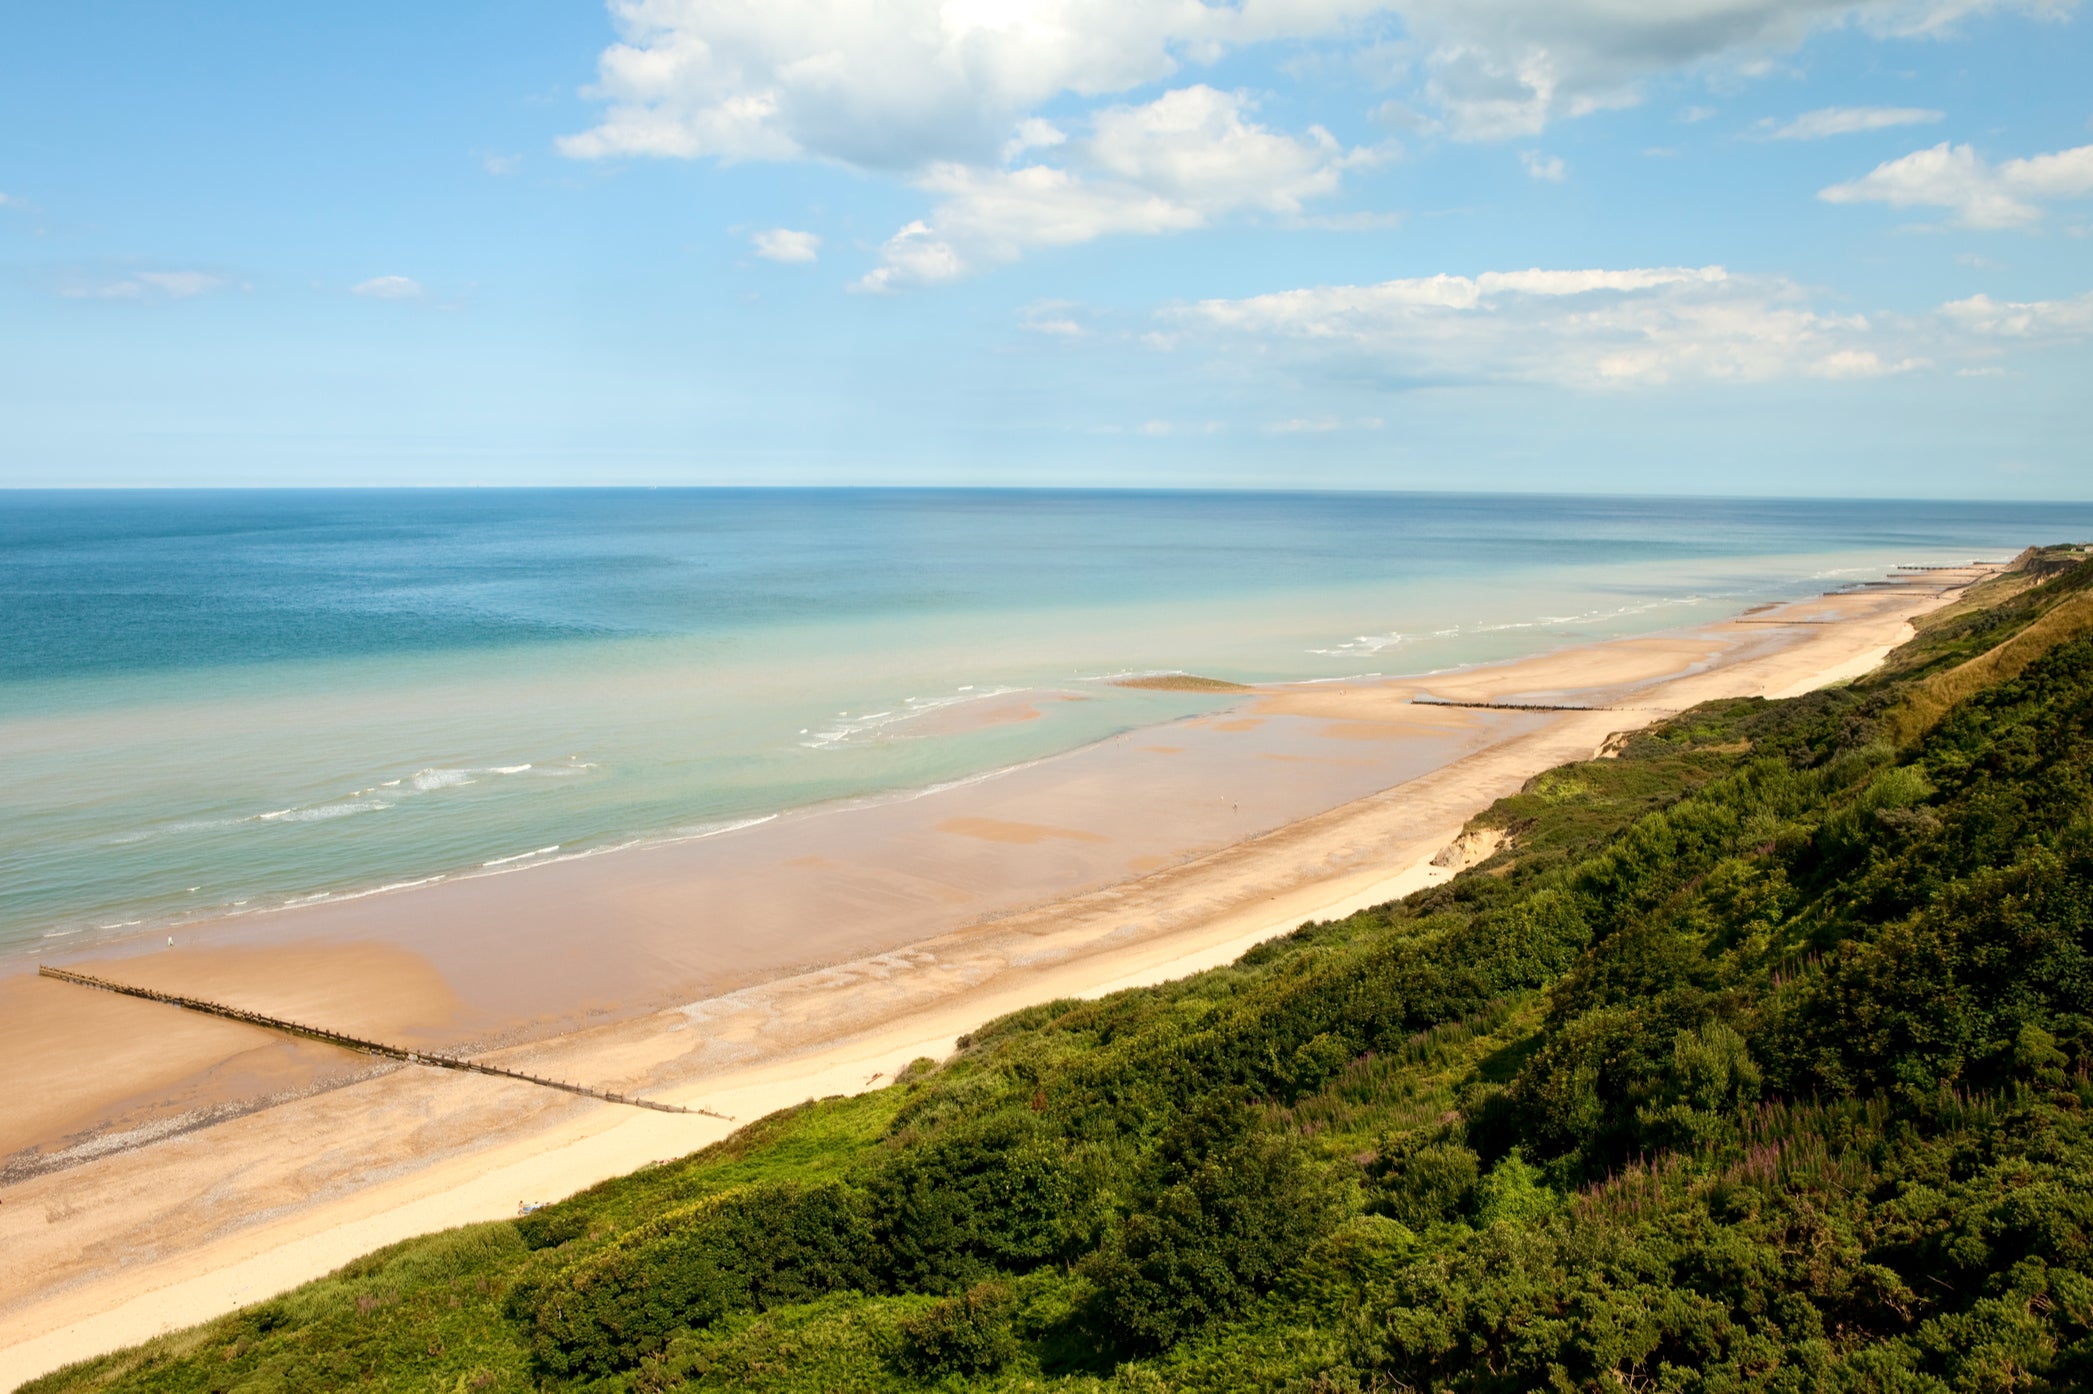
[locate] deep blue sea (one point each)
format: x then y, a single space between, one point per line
215 702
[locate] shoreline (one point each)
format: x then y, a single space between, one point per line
849 1024
23 961
83 941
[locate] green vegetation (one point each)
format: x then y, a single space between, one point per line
1757 1059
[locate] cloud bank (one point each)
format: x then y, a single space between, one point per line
907 83
1601 329
981 104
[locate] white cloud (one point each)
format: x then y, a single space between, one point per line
1170 165
990 216
895 85
1500 69
1360 221
2023 319
950 94
1609 330
1403 117
2065 174
1320 425
148 285
1845 120
388 288
1033 134
1159 428
1977 193
1549 168
784 244
1057 318
1584 329
180 285
907 83
502 164
1196 145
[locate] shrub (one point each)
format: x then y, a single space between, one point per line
964 1335
758 1247
1424 1184
985 1194
1227 1205
553 1226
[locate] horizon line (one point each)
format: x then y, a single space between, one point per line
1248 490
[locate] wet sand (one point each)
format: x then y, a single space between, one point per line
814 954
482 962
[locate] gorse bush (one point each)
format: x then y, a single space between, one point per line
760 1247
964 1335
1757 1059
1221 1210
1422 1182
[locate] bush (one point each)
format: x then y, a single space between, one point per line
964 1335
553 1226
987 1194
1226 1207
758 1247
1425 1184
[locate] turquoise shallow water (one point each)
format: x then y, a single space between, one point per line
221 701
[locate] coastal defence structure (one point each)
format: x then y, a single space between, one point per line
358 1043
1532 706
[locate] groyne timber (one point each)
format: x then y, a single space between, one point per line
358 1043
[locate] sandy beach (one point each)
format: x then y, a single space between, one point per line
164 1167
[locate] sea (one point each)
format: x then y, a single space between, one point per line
215 703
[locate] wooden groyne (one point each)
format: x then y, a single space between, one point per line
1530 706
358 1043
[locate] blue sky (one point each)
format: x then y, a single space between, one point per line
1727 246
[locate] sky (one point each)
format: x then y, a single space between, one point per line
1801 247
